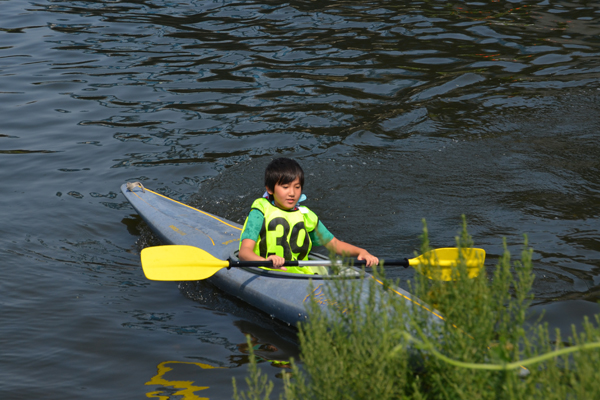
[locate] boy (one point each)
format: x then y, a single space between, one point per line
277 229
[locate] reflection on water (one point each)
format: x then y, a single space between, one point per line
182 378
168 388
271 340
267 345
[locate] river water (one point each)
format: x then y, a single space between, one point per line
398 111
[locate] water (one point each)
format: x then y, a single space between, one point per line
397 112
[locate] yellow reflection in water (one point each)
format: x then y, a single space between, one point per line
187 387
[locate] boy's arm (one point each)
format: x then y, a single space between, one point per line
247 254
348 250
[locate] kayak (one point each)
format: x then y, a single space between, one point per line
282 295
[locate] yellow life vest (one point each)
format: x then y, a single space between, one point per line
285 233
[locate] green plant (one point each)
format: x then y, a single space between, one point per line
374 344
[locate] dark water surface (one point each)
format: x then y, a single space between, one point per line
397 110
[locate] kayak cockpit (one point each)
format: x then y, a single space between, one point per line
319 271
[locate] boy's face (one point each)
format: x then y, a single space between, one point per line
287 195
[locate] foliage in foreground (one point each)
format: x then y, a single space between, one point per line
374 344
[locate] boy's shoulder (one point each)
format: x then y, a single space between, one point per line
260 203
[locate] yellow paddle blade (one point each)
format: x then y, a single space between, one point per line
440 263
179 263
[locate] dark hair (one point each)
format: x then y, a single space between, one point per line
281 171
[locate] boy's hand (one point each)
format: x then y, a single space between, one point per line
277 262
368 257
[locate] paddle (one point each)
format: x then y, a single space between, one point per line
188 263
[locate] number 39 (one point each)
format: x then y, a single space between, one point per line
292 246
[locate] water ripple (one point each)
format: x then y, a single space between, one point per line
398 111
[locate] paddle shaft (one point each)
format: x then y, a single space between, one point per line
189 263
313 263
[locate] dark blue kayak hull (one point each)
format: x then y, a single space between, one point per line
283 296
